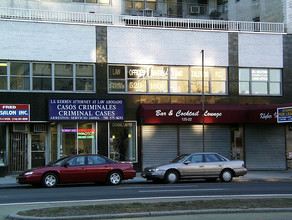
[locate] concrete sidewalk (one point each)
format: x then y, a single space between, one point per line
286 175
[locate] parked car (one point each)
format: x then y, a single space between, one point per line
209 166
78 168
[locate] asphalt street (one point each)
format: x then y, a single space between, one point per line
256 184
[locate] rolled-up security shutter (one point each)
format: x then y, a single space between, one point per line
217 139
159 144
265 147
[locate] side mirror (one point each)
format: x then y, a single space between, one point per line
66 164
187 162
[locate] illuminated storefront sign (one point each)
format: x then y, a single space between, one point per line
284 114
94 110
82 133
14 113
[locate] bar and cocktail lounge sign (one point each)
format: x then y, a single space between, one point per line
85 109
213 113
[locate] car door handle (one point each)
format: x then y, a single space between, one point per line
202 166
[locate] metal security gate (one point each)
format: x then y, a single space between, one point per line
217 139
159 144
265 147
18 160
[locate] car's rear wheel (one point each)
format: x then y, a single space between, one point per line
114 178
50 180
171 176
226 175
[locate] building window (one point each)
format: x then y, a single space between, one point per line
84 77
42 76
19 76
260 81
93 1
116 79
67 77
140 4
122 141
64 77
136 79
166 79
158 79
3 76
179 79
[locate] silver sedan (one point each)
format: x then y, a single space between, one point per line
209 166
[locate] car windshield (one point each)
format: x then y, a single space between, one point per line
180 158
58 162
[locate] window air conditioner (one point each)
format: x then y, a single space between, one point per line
194 9
20 127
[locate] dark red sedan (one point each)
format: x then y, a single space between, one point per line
77 169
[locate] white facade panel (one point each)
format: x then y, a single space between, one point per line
260 50
168 47
47 42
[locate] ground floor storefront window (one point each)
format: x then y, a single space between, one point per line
73 138
122 141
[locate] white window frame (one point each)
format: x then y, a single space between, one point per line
268 82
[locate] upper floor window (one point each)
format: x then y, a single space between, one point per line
3 76
140 4
260 81
94 1
167 79
25 76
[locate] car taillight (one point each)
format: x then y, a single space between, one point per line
243 164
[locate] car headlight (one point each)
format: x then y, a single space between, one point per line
153 169
28 173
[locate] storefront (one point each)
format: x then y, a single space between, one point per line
74 127
247 132
75 124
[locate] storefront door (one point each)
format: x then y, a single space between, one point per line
38 149
18 152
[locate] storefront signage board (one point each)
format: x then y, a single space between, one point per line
190 114
14 112
85 110
284 115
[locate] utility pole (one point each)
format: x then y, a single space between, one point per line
203 98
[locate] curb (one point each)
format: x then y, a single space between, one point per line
153 214
15 185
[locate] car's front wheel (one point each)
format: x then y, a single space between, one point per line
171 176
226 175
114 178
50 180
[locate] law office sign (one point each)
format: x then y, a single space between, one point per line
284 115
85 110
14 112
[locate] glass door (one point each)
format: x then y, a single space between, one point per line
38 149
68 139
86 138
